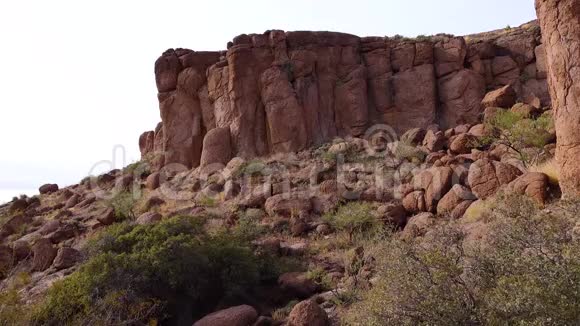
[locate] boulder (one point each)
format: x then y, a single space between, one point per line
297 284
419 225
526 110
532 184
393 213
298 227
504 97
148 218
48 188
49 227
478 130
434 141
307 313
107 217
486 176
287 205
72 201
14 224
463 143
63 232
44 254
153 181
235 316
256 197
152 202
436 182
21 250
414 202
217 147
457 195
460 209
66 257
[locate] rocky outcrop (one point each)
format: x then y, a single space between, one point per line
560 22
286 91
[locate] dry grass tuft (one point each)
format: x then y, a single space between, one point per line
549 168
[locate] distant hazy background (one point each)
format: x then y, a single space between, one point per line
76 77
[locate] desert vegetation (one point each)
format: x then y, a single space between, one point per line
525 272
171 271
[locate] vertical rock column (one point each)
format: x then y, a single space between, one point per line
560 23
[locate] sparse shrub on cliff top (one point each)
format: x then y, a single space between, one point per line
138 273
138 169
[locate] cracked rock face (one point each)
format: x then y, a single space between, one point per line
560 23
287 91
487 176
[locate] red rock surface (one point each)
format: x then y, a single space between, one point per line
560 21
286 91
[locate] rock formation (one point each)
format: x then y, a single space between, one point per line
560 22
285 91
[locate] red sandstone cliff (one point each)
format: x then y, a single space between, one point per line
284 91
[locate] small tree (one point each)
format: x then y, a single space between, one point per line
354 218
516 132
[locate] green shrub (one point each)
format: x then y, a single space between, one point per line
138 169
281 314
206 201
526 273
124 205
321 278
13 311
138 273
516 132
250 168
355 218
406 151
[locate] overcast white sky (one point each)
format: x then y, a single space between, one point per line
76 77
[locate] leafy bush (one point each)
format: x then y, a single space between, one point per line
124 205
356 218
525 273
206 201
250 168
12 309
138 169
406 151
169 271
321 278
281 314
516 132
